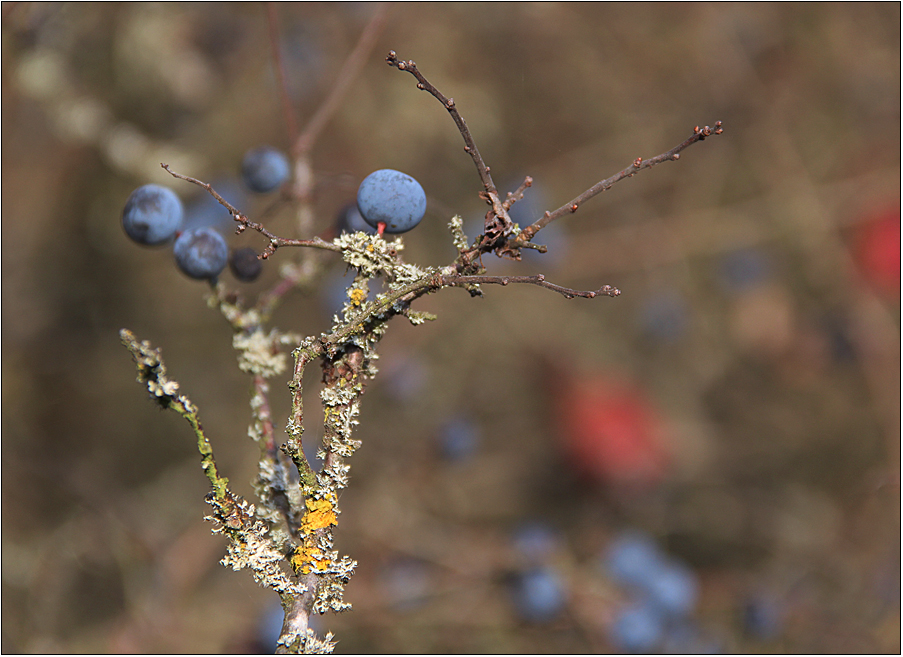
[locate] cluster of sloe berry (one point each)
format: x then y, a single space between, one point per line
388 201
153 216
664 595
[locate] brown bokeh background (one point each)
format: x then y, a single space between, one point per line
777 397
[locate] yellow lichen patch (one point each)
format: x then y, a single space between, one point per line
357 296
320 514
306 555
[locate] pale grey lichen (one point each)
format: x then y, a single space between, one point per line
254 550
459 239
308 643
369 254
163 387
260 352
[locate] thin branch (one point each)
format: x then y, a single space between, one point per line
349 71
165 391
517 194
244 223
497 222
288 111
470 146
699 134
538 279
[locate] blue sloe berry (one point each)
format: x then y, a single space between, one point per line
634 559
744 269
393 198
536 541
201 253
351 221
152 215
763 617
674 589
637 629
458 438
244 264
264 168
538 595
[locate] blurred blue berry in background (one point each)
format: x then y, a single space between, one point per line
393 198
206 212
664 317
269 627
405 377
538 595
264 168
334 292
531 207
201 253
762 617
633 559
536 541
637 628
685 638
407 583
526 211
459 438
674 589
152 215
743 269
349 220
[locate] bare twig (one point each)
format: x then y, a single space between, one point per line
538 279
492 228
350 70
288 112
699 134
244 223
470 146
517 194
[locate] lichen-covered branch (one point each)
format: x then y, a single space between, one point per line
165 392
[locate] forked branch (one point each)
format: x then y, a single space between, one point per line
495 229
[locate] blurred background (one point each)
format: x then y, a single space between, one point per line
708 463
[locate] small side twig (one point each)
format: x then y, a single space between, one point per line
349 71
517 194
538 279
470 146
699 134
288 111
497 221
244 223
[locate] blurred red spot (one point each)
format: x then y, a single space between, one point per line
876 251
609 432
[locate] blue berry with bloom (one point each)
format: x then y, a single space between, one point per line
152 215
637 629
634 559
351 221
201 253
538 595
391 198
674 589
264 169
